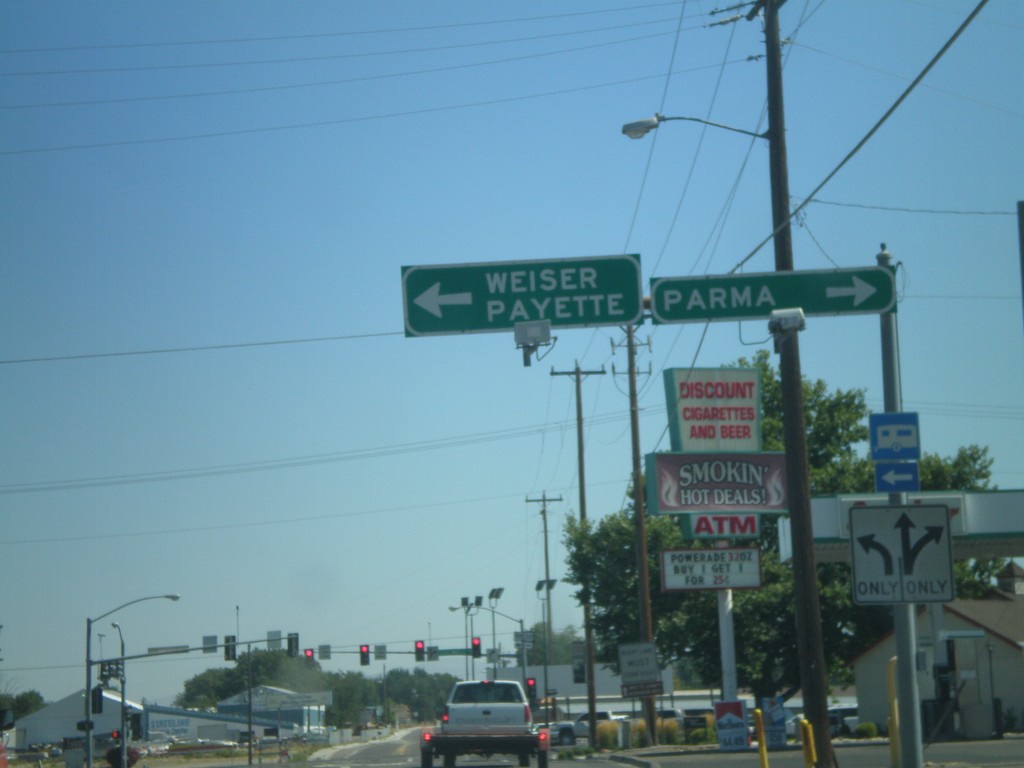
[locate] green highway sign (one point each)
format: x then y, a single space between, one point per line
481 298
867 290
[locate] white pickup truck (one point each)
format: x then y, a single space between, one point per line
567 732
485 718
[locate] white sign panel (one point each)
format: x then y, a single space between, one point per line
638 664
901 554
691 569
714 409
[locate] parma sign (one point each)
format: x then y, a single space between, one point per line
867 290
487 297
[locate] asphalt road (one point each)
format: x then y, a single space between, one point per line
1001 753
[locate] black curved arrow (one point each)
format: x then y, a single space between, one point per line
869 543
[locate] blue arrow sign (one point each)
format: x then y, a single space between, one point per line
897 477
894 437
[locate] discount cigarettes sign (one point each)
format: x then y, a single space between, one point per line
714 409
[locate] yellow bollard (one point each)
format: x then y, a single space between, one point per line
762 747
807 734
894 716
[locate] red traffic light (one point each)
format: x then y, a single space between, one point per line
477 649
364 655
420 651
308 653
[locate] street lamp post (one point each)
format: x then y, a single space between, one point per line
544 586
522 636
123 680
807 608
467 607
492 600
88 668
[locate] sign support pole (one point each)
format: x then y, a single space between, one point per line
911 753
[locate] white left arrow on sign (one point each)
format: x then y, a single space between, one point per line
892 477
860 291
432 299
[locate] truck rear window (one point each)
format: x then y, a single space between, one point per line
486 693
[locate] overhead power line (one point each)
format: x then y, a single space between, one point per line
323 35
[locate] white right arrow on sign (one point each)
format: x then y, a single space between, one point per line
860 291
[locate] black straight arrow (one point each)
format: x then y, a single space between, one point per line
869 543
910 552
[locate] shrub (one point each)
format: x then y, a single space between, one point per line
114 756
701 736
1010 720
865 731
638 734
607 734
668 731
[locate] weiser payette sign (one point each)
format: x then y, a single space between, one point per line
716 482
574 292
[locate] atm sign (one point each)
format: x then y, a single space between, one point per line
720 526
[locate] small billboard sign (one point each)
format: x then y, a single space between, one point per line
716 482
731 724
714 409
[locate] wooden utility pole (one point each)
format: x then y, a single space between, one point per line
588 629
810 644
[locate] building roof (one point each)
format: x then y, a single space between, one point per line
1000 615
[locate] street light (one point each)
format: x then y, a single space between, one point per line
522 638
88 668
637 130
467 607
124 675
545 585
492 600
641 128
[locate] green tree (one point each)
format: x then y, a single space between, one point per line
21 704
352 692
602 559
561 644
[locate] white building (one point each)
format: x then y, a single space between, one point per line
972 670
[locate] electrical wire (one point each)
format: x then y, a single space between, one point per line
874 129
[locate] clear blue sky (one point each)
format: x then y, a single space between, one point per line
204 383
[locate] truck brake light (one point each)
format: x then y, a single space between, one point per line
444 716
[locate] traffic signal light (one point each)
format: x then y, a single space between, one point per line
135 726
531 688
115 735
230 648
308 653
477 650
421 651
364 655
97 699
293 644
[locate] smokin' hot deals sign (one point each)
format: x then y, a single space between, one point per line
716 482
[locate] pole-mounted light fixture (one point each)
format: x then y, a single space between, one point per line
641 128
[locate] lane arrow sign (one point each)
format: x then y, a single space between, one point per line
860 291
432 299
